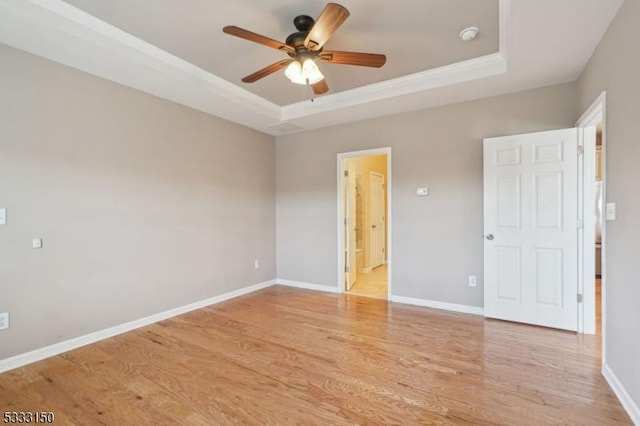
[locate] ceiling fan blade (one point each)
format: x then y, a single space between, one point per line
267 71
320 87
354 58
327 23
257 38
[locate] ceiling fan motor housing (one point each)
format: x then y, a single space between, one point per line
303 24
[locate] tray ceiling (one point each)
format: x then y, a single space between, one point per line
416 35
177 51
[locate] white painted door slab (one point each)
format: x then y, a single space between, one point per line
376 187
530 227
350 223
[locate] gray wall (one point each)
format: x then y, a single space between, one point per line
144 205
436 240
615 67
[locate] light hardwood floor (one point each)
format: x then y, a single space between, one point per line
289 356
371 284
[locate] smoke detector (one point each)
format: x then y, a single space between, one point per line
469 33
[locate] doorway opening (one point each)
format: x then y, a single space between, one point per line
593 313
598 191
363 223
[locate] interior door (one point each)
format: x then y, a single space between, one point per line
376 186
350 223
530 226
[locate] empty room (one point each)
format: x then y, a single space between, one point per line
286 212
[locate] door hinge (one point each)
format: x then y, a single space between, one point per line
346 221
579 298
580 224
346 269
346 173
580 150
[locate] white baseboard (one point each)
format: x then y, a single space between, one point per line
398 299
625 399
438 305
308 286
58 348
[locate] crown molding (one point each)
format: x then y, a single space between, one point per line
65 34
472 69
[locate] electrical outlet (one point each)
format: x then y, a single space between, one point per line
472 280
256 264
4 320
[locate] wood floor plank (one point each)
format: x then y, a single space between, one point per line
290 356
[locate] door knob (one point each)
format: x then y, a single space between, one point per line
490 237
373 226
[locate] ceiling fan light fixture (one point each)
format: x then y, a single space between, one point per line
305 73
306 45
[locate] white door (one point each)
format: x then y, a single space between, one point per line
376 187
530 227
349 223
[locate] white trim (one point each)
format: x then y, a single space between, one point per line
595 110
453 307
389 217
77 342
472 69
623 396
595 113
58 31
308 286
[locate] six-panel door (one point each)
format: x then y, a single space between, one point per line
530 226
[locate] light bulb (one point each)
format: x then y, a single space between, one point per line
311 72
303 73
294 73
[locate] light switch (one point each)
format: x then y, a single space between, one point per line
3 216
422 192
611 211
37 243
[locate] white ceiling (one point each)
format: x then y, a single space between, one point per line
416 35
180 53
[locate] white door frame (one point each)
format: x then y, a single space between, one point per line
364 153
593 115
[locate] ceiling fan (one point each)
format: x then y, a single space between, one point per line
305 47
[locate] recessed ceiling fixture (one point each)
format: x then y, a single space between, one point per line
469 33
305 47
